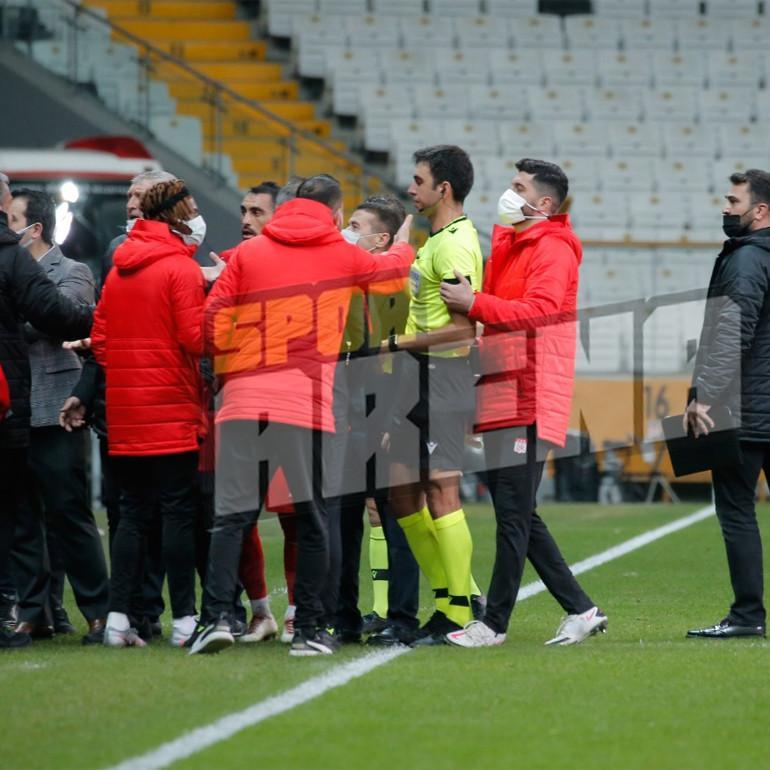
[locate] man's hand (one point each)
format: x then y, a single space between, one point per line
458 297
72 415
212 273
84 344
696 418
402 236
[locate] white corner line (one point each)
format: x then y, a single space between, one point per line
201 738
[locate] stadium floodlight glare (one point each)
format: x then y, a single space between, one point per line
69 192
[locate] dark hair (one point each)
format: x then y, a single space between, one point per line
167 202
40 208
548 178
758 182
289 191
389 211
322 188
448 163
266 188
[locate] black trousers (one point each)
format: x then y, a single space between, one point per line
514 474
56 501
734 492
152 487
147 598
249 454
13 464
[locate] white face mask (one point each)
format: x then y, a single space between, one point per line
510 208
351 236
197 234
22 242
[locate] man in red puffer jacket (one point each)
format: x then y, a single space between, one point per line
148 337
275 319
528 308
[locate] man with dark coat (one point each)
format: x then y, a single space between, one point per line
732 369
26 294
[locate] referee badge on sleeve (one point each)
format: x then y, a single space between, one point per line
415 280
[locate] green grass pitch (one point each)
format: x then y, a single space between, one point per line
640 697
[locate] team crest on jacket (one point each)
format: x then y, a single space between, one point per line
520 446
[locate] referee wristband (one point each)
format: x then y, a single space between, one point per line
392 343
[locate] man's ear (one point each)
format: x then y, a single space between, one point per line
338 218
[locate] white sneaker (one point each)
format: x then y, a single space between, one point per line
575 628
260 629
475 634
182 629
118 632
288 625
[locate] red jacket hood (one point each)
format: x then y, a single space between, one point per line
148 242
302 222
558 226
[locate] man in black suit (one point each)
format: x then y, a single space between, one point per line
732 369
26 294
56 499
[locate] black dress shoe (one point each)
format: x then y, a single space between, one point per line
392 635
61 621
726 629
95 633
35 630
347 635
12 640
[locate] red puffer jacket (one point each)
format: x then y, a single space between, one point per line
276 315
148 335
528 310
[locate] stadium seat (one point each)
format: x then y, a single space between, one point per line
634 139
466 9
556 103
626 174
598 213
735 69
731 103
671 103
453 68
526 139
706 214
674 9
483 32
515 68
613 104
618 9
373 31
346 71
666 210
346 7
748 9
753 33
582 172
493 172
580 138
436 102
722 169
494 102
406 66
543 31
592 31
507 9
378 108
181 132
751 140
312 45
280 14
625 69
478 135
684 68
568 68
706 34
684 174
690 139
427 32
398 8
646 33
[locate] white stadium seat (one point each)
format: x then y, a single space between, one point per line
592 31
632 138
582 172
347 7
690 139
580 138
506 9
466 9
671 103
613 104
483 32
398 8
406 66
565 68
313 45
619 9
625 69
481 135
453 68
747 9
281 13
753 33
683 174
745 68
427 32
646 33
432 101
674 9
494 102
516 68
627 174
527 139
750 140
556 103
378 108
373 31
543 31
707 34
684 68
734 104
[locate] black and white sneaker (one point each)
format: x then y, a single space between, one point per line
211 637
320 643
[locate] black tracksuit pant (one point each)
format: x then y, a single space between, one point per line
514 474
152 487
734 492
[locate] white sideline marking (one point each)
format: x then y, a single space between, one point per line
202 737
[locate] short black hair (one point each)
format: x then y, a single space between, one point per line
448 163
266 188
323 188
40 208
289 190
389 211
548 178
758 182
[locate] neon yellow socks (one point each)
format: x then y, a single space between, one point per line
420 534
456 548
378 563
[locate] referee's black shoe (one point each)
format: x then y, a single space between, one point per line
392 635
434 632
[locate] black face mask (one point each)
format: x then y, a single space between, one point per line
733 227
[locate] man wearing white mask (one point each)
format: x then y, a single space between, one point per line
524 397
56 518
147 336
